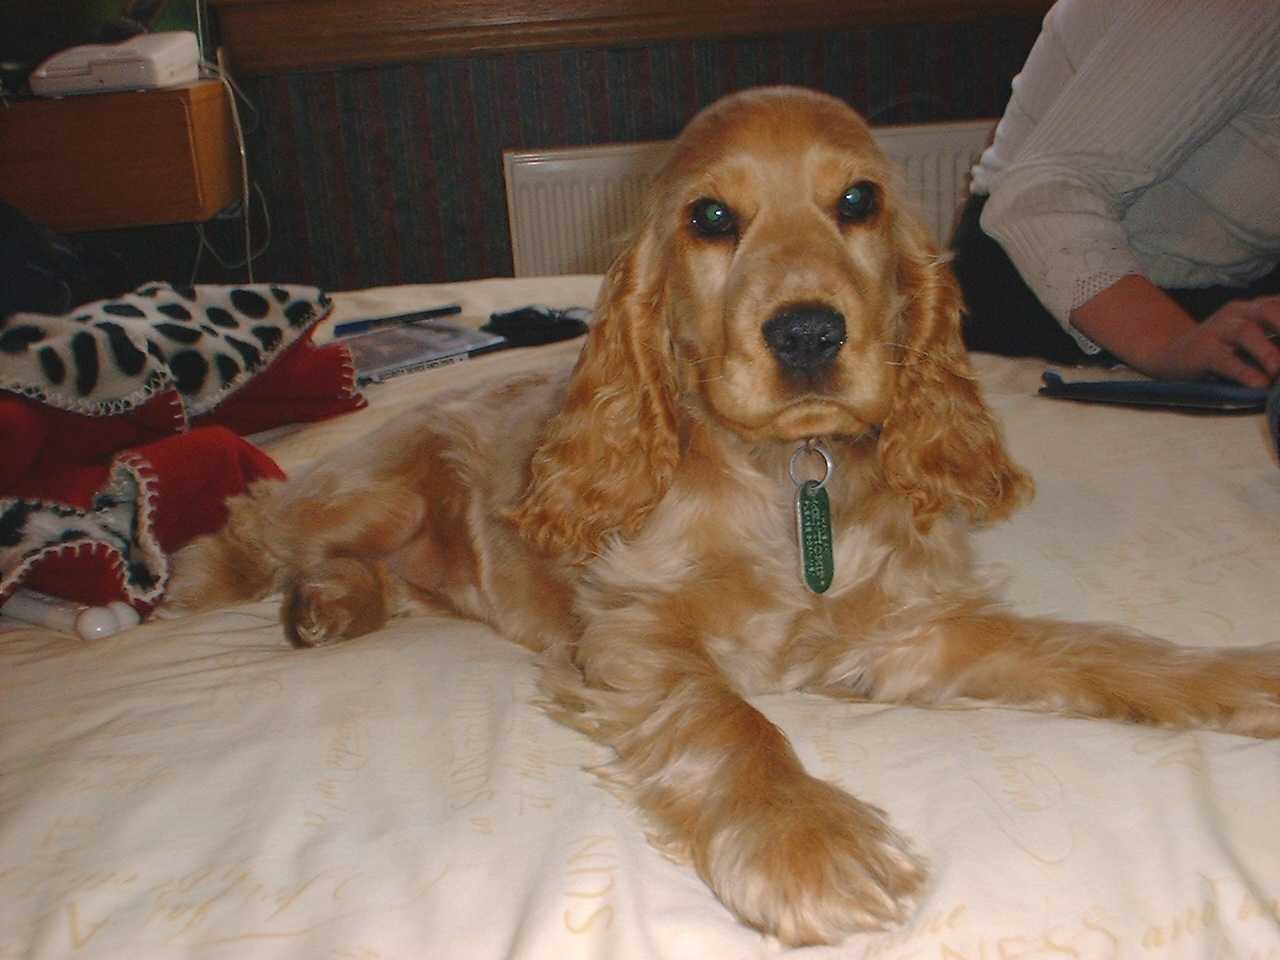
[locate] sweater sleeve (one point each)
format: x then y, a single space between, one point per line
1162 80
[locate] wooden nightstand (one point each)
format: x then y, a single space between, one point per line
120 159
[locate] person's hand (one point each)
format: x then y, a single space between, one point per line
1143 326
1238 342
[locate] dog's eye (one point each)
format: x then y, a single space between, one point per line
858 202
711 218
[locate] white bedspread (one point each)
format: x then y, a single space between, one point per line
195 788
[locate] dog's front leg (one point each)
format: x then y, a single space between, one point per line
789 854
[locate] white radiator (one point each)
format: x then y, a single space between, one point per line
570 209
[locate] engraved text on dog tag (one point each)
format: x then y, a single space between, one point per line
813 534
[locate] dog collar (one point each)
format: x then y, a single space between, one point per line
813 518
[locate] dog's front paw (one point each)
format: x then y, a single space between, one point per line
810 864
334 601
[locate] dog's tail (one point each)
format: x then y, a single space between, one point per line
234 564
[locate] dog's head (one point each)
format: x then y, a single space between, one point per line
777 223
779 289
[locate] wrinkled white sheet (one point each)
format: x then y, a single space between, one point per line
194 788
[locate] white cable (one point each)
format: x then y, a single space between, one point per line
204 243
200 26
244 163
219 70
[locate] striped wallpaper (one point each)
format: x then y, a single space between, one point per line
393 174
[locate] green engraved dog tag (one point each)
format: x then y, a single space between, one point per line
813 534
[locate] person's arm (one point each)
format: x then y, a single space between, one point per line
1140 324
1161 80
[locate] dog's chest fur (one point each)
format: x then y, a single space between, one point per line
725 572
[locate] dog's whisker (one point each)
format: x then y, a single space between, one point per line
709 358
943 362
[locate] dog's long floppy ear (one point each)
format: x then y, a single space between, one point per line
941 447
609 454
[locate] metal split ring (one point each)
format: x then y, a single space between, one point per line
812 446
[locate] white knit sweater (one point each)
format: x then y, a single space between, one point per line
1142 137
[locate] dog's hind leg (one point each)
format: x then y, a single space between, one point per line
340 598
1092 670
320 539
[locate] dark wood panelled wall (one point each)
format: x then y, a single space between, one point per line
270 36
378 125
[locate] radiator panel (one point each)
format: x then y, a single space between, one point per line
570 209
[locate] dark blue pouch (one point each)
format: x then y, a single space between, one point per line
1182 394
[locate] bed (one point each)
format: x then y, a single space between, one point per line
195 788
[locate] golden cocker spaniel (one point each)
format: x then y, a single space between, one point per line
758 477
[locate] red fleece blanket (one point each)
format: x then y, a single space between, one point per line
121 425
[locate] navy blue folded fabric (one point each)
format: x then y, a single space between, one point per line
535 324
1181 394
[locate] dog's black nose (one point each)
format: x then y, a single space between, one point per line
805 339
